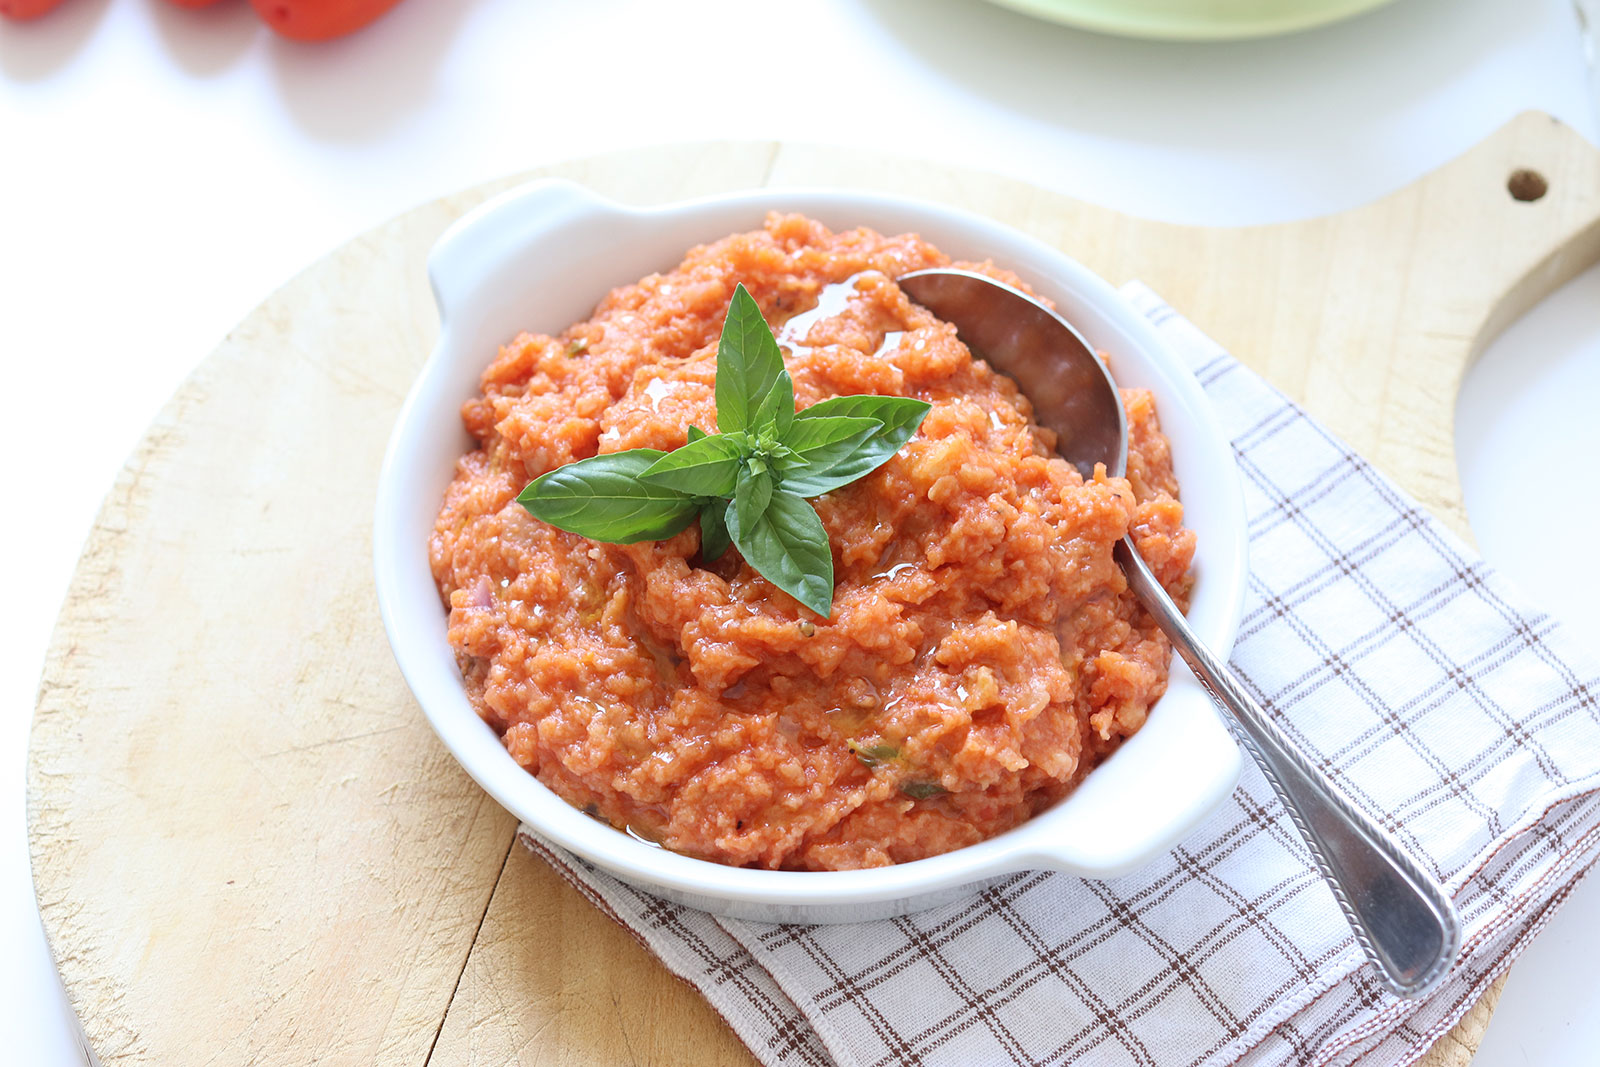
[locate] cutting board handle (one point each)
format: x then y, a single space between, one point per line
1525 206
1465 251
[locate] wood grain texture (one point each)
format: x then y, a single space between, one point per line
247 845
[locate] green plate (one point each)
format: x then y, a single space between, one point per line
1193 20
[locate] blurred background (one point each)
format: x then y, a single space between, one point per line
165 169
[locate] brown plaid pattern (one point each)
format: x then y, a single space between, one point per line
1405 667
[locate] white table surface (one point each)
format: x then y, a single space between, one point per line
162 170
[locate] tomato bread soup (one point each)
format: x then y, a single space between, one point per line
983 651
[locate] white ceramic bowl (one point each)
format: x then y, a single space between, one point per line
539 258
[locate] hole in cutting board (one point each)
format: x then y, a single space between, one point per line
1526 185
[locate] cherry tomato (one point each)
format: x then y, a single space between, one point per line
318 20
26 9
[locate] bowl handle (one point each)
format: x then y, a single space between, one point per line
492 236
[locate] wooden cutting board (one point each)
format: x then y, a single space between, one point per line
249 848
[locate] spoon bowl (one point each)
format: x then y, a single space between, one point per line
1401 917
1057 370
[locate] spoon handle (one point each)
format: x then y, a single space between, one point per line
1401 916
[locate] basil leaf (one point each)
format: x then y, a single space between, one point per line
602 498
776 412
713 531
900 417
746 483
895 412
752 495
707 467
788 546
748 362
821 443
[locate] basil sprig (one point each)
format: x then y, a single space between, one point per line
747 484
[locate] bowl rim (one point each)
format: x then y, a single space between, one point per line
1177 24
464 261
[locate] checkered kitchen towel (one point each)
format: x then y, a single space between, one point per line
1440 704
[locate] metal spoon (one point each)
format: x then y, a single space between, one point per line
1401 916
